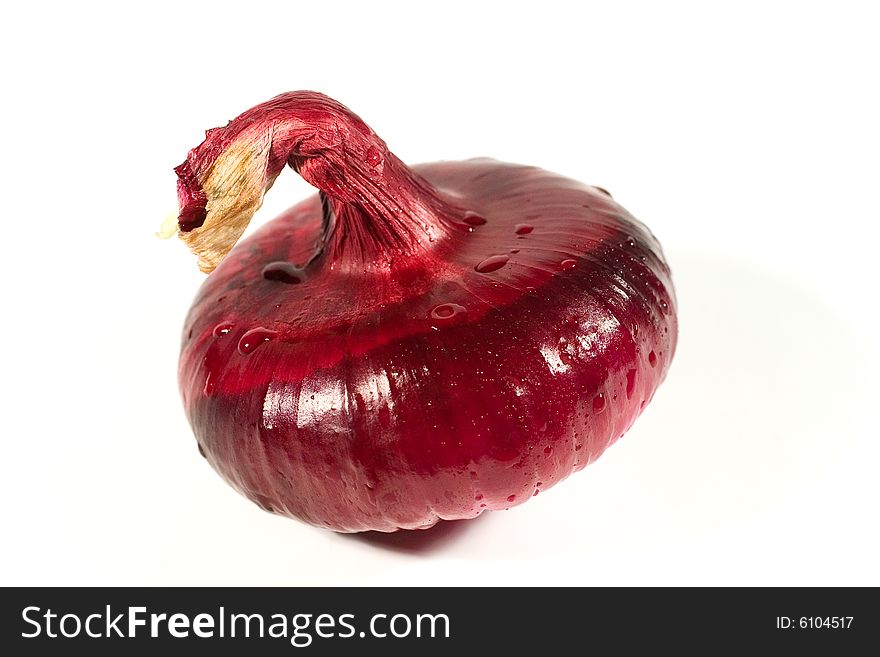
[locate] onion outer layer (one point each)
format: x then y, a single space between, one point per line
411 344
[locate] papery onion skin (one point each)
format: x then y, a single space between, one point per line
379 388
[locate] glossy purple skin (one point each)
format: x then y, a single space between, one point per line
379 396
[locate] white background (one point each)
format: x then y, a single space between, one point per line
745 137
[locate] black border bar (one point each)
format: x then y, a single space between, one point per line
515 621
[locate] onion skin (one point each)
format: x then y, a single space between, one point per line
464 361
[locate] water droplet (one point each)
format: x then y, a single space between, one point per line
578 447
598 403
253 339
514 250
664 307
221 329
478 497
630 383
373 156
568 263
473 219
539 484
283 272
548 450
603 190
523 229
482 506
630 242
652 359
447 311
511 498
492 263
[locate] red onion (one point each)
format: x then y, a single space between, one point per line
413 343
